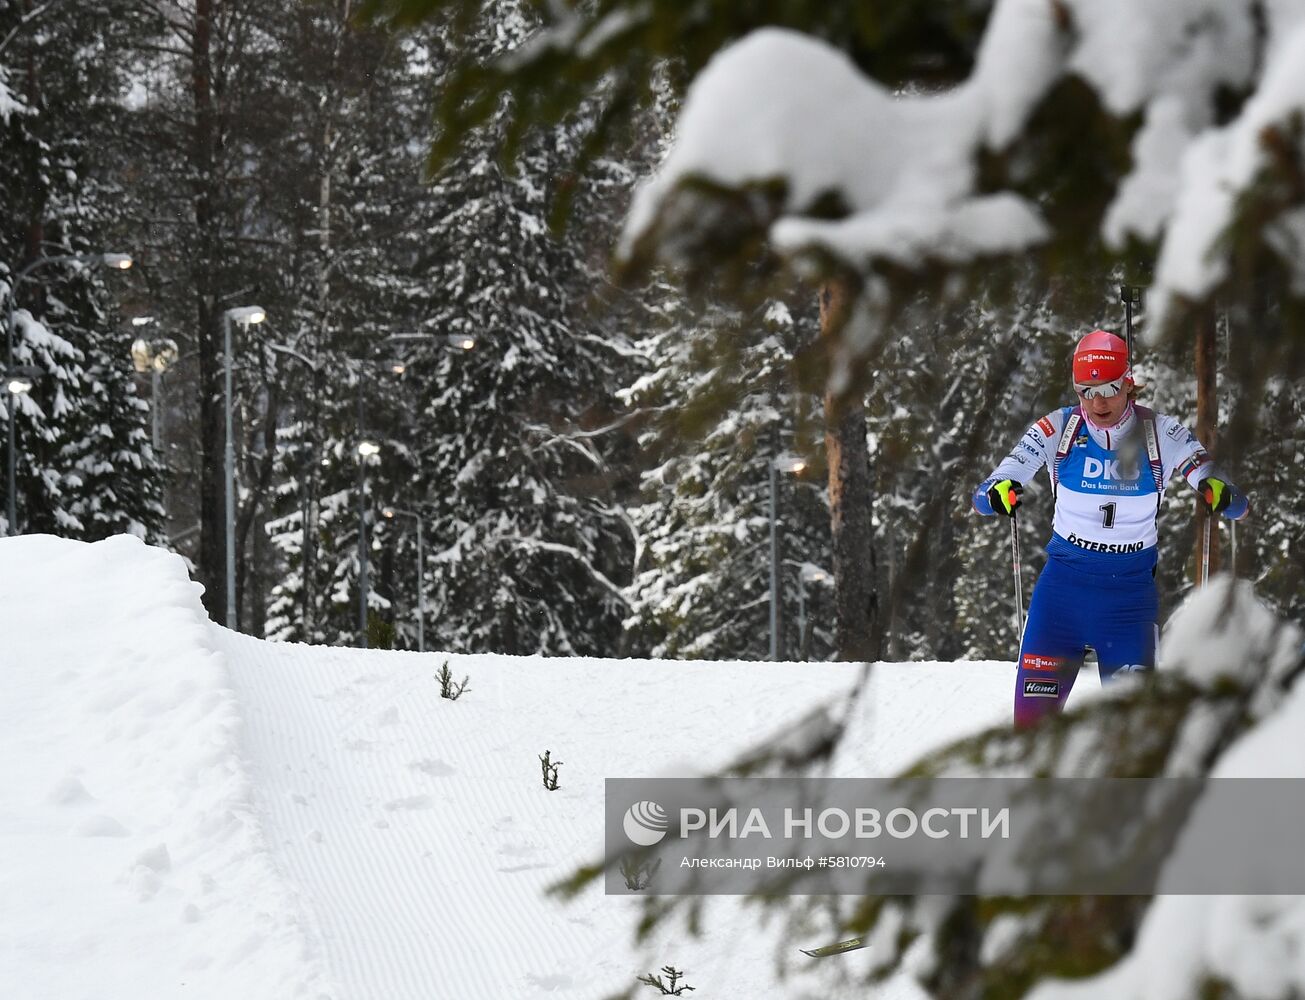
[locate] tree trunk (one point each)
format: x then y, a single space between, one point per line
311 474
38 189
321 337
36 166
211 567
389 588
259 471
256 612
1207 431
856 599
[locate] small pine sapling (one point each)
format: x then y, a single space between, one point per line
668 989
550 770
448 689
638 874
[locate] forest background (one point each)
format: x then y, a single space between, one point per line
594 477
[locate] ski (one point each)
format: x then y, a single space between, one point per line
838 948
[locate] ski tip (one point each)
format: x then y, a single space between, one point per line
851 944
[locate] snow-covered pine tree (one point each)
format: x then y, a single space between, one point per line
527 547
950 387
1263 464
342 194
1000 366
380 252
85 466
188 148
722 405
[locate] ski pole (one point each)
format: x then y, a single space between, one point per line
1232 545
1205 552
1019 585
1131 296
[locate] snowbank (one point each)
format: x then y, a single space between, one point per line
133 864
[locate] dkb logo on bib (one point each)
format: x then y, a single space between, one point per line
1095 468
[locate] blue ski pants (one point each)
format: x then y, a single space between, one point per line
1073 609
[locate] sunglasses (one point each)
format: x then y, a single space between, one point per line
1105 389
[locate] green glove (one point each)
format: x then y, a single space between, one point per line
1217 493
1005 497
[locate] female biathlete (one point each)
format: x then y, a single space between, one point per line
1109 460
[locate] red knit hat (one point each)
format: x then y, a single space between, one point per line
1101 357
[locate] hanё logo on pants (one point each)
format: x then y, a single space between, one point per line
1034 688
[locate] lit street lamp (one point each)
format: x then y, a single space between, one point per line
391 513
794 466
460 341
245 316
455 341
118 261
19 380
156 357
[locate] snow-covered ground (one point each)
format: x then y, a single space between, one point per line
188 812
133 858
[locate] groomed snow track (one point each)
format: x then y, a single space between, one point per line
200 814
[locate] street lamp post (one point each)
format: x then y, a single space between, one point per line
807 573
391 513
789 464
121 262
19 380
366 449
307 472
156 357
244 315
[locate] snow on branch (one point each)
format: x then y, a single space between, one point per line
1221 166
786 113
782 137
9 104
539 545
